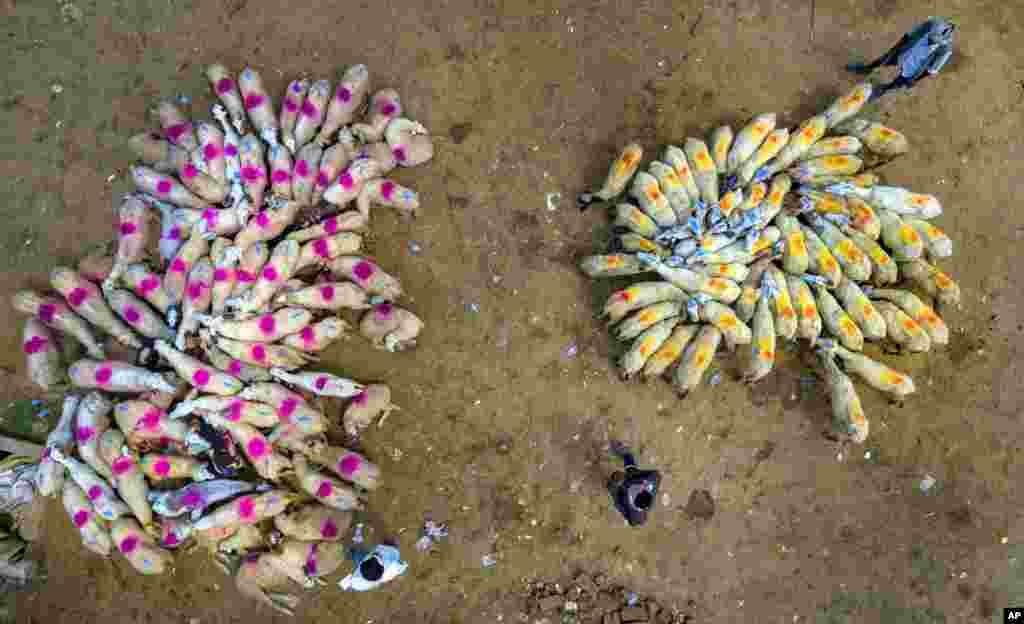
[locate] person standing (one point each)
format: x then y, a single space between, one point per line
634 492
373 568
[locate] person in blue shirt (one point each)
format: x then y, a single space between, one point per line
634 492
373 568
920 53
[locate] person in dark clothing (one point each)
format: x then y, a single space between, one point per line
633 491
920 53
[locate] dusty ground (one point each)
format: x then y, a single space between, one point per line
501 436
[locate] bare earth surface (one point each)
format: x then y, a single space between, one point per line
501 434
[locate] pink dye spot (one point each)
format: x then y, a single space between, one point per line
399 154
225 85
195 290
235 411
231 150
349 464
122 465
383 311
192 499
302 169
162 467
94 492
245 276
287 408
235 368
321 248
331 225
327 292
329 530
201 377
257 447
104 374
387 189
148 285
362 270
150 421
308 335
290 105
311 566
253 100
189 171
84 434
35 344
221 275
171 539
163 187
210 151
47 311
346 180
164 441
251 174
246 509
267 324
175 233
320 383
343 94
179 266
259 353
324 490
270 274
175 132
389 109
360 399
280 176
308 109
131 314
127 228
263 219
45 455
322 179
81 518
77 296
129 544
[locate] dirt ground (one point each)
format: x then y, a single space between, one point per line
502 434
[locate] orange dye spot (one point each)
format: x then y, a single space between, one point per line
787 312
911 326
929 317
909 235
701 359
727 321
851 252
760 128
704 160
613 262
669 353
716 284
828 263
645 347
796 244
647 317
881 257
808 133
942 281
653 192
809 311
886 133
892 378
934 232
776 197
